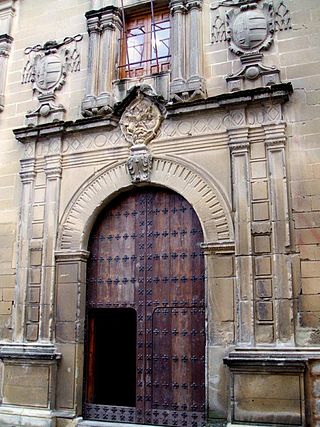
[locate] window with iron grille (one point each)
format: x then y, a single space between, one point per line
145 44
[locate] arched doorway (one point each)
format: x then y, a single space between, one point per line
145 344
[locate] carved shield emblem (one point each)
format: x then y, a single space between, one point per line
48 72
250 29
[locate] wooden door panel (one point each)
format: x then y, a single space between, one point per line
145 254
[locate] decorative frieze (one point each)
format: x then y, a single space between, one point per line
47 68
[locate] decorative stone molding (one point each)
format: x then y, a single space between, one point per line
47 68
196 187
218 248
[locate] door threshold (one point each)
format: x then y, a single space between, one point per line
91 423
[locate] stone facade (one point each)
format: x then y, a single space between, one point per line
234 128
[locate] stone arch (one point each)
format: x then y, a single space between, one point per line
195 185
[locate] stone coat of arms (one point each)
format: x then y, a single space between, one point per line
47 68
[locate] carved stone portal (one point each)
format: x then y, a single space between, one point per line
140 121
46 69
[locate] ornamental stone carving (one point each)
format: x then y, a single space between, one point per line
47 68
140 121
139 164
250 28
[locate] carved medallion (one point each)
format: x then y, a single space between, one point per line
140 121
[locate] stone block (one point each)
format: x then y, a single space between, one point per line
264 333
68 273
306 236
310 252
310 286
310 302
309 319
263 266
310 269
37 231
260 211
67 297
26 385
65 377
259 190
262 244
301 204
66 332
307 219
35 257
5 307
267 398
38 213
220 266
222 299
32 332
35 275
264 288
34 294
264 310
33 313
258 170
258 150
39 195
8 294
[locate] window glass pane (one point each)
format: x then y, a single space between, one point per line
135 43
161 41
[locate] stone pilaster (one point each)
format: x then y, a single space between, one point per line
196 82
104 28
178 78
70 317
93 57
53 173
28 175
239 147
280 240
5 45
110 33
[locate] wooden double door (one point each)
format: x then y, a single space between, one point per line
145 334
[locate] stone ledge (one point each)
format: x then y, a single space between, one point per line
25 351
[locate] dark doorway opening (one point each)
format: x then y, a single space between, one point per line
112 357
